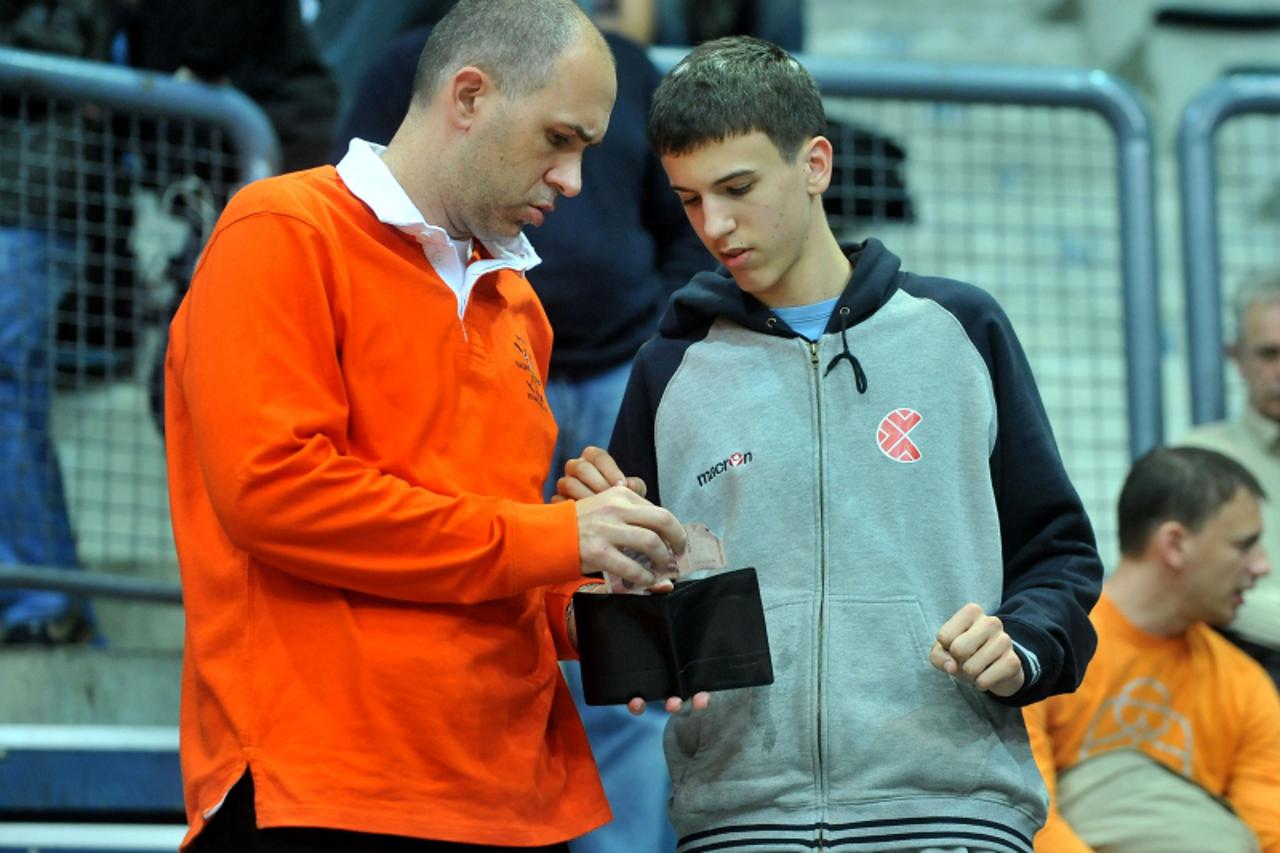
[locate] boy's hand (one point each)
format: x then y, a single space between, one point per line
591 473
973 647
698 702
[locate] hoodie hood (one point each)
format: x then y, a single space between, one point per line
711 295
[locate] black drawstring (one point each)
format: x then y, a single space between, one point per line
859 378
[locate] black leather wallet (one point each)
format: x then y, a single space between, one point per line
706 634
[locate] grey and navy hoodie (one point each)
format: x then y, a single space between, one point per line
877 479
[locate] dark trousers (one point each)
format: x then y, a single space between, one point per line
234 830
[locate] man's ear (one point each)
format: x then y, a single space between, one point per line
468 91
819 158
1170 541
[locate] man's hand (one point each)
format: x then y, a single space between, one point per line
591 473
619 518
973 647
594 475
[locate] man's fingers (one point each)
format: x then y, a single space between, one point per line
666 525
637 485
668 529
958 624
618 564
646 541
571 488
620 519
589 476
636 706
603 463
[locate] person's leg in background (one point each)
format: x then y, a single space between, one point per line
627 749
35 529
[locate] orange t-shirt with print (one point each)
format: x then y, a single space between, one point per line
1196 703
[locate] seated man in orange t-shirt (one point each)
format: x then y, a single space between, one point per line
1165 692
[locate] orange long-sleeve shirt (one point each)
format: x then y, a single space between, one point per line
355 481
1196 703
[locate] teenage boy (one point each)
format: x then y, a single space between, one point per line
872 441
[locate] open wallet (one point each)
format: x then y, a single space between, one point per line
706 634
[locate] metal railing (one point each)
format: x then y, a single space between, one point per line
110 180
1228 142
93 584
1036 184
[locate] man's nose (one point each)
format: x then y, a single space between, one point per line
1261 563
566 176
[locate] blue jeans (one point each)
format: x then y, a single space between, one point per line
34 526
627 749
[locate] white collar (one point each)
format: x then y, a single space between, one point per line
368 178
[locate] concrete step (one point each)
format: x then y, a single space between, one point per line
31 837
140 625
85 685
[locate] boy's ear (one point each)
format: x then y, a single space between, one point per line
819 157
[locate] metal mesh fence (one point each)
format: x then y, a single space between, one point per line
1230 180
1023 202
1248 206
105 208
105 203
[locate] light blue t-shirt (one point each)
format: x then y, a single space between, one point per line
808 320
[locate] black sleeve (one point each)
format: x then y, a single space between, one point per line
632 443
1052 573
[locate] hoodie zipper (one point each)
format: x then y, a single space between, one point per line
816 364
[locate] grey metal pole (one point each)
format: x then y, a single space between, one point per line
149 93
98 584
1201 256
